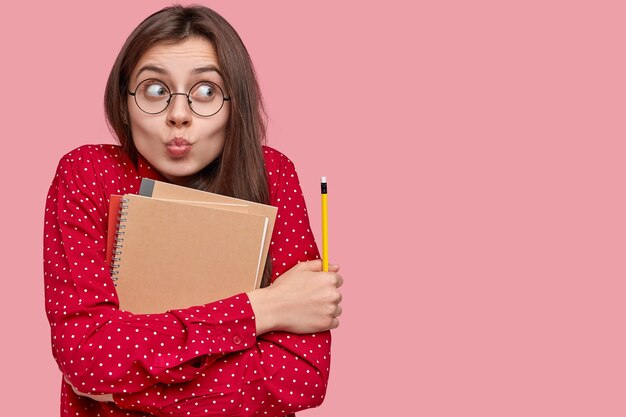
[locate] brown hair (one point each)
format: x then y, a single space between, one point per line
239 171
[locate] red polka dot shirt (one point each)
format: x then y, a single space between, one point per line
203 360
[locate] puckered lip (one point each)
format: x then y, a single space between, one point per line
178 141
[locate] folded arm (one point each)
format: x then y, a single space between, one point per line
288 367
99 348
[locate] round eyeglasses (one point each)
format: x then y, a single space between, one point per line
205 98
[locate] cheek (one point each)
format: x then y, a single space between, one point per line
140 123
215 127
224 120
131 108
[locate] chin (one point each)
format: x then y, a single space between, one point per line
179 176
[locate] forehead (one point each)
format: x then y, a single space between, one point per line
188 54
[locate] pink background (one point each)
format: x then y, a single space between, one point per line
474 152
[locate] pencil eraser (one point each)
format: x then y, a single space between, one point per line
324 180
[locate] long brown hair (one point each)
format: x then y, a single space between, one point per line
239 171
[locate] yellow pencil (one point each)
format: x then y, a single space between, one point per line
324 226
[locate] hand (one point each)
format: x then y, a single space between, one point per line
302 300
101 397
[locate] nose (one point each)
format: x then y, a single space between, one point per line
178 111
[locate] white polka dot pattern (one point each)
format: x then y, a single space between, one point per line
204 360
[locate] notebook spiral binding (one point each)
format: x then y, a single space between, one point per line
119 240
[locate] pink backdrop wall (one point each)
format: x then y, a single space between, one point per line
474 152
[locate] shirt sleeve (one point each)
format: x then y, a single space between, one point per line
282 372
98 347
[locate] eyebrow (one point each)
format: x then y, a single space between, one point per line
151 68
208 68
163 71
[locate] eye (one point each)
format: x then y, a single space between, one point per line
154 89
205 91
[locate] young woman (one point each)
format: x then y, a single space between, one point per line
184 103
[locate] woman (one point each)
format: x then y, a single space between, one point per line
184 103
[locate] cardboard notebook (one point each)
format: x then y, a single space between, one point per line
172 254
164 190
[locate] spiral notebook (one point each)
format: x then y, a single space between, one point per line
172 254
165 190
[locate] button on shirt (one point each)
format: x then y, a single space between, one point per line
202 360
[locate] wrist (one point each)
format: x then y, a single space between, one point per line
264 307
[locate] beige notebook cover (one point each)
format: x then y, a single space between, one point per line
164 190
172 255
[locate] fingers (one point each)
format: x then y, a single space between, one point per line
338 311
339 280
334 279
70 384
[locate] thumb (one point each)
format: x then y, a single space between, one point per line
317 266
313 266
333 268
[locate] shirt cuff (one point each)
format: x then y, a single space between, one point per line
220 327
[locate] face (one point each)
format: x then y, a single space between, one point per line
177 142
